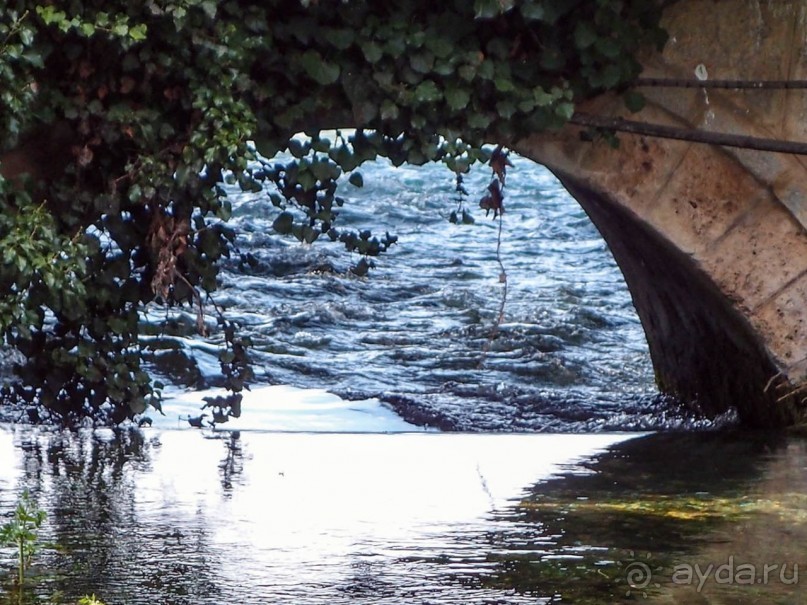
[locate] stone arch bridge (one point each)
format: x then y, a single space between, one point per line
712 240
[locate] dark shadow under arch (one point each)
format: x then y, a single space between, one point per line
704 352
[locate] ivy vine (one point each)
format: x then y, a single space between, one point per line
122 122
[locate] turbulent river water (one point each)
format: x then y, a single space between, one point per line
418 333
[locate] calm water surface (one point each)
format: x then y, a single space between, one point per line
190 517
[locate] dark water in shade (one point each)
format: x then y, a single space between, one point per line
417 332
176 517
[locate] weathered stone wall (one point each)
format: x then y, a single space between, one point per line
711 240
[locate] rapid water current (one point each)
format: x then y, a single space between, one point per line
419 332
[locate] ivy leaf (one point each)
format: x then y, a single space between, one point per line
480 121
457 98
310 234
138 406
505 109
610 76
634 101
532 10
283 223
339 38
542 97
320 144
297 148
210 8
444 68
389 110
493 200
26 37
499 163
318 69
364 112
439 45
344 157
467 72
526 105
608 47
306 180
565 110
324 171
486 9
362 267
138 32
427 92
267 147
584 35
356 179
396 45
504 84
372 52
486 70
51 15
422 62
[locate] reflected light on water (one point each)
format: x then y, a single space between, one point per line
312 518
311 498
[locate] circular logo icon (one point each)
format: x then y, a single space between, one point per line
638 575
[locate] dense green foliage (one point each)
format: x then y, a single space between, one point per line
157 102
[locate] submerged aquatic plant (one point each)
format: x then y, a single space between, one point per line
21 533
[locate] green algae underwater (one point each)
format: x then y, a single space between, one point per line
699 518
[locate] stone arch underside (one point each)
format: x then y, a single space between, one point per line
711 240
703 351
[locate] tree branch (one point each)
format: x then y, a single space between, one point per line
689 134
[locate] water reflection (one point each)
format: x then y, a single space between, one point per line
98 540
657 517
232 465
185 517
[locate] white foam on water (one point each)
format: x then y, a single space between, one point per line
286 408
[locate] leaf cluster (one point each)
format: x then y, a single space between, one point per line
21 532
170 101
